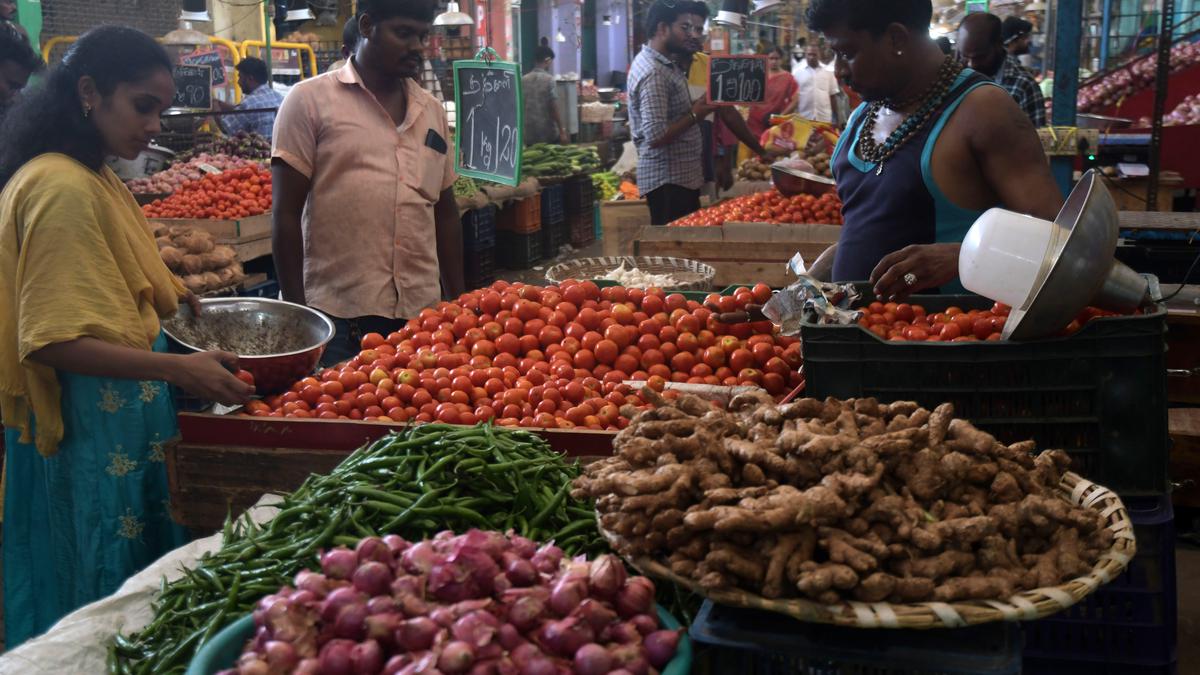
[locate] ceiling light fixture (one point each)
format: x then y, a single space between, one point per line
452 16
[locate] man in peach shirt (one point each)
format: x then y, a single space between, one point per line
365 227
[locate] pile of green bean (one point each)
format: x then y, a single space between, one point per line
415 483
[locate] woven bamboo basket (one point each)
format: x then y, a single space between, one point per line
1026 606
690 275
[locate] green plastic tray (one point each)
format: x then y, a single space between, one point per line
223 650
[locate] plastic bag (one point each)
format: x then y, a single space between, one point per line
628 161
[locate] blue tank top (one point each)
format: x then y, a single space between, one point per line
902 206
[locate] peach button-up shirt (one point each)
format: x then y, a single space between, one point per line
370 241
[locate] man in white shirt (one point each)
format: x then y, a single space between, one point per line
818 87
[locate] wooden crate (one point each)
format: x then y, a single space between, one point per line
225 463
620 224
622 221
226 231
252 249
250 238
741 253
1130 193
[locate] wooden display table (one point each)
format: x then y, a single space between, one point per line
224 463
741 253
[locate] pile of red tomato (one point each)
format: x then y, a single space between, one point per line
549 357
768 207
232 194
903 322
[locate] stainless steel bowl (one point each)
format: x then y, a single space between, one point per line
792 182
1102 122
277 342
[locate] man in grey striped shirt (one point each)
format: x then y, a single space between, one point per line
664 121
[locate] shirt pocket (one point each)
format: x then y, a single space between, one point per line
426 176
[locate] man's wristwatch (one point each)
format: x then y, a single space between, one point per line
695 120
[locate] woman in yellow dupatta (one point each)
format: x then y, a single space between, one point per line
83 369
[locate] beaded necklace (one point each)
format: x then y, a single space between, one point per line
870 151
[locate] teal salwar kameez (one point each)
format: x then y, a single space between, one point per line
79 523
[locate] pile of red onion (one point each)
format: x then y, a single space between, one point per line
1129 80
1185 114
480 603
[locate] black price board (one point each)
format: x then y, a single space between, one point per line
736 80
488 136
193 87
211 58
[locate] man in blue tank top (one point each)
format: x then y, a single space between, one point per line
931 148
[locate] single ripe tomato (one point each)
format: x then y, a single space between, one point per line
983 328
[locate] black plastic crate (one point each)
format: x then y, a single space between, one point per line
479 268
553 238
518 251
479 229
267 289
1100 394
754 642
582 227
553 205
580 194
1133 620
1040 666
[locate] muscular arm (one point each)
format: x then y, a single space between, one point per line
1005 147
449 245
1009 154
289 192
732 119
552 111
821 269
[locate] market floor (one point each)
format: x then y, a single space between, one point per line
537 273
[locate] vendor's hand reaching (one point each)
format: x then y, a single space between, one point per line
930 266
702 109
209 375
771 155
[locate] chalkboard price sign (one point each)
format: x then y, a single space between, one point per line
211 58
488 136
193 87
736 80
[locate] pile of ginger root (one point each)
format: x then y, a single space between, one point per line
840 500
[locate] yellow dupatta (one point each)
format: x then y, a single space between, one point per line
86 265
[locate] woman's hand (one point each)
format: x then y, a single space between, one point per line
209 375
927 266
193 301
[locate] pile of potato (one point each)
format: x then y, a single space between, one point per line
840 500
754 170
816 152
192 254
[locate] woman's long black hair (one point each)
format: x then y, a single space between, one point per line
50 118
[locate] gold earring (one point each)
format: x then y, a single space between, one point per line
87 109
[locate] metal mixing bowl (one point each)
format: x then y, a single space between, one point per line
792 182
277 342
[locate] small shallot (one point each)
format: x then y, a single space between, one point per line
456 657
339 563
635 597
